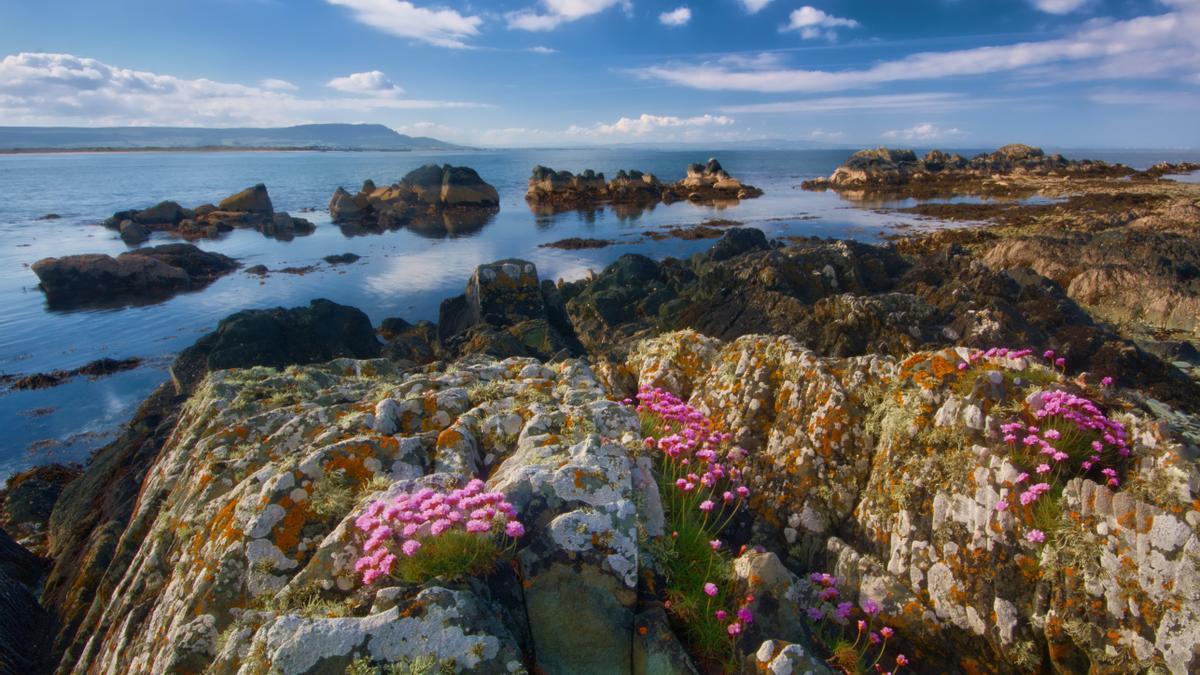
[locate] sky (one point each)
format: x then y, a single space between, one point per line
518 73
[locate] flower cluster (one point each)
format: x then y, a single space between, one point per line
691 456
835 620
400 528
700 478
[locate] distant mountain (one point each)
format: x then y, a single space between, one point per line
323 136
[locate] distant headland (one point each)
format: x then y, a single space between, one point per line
308 137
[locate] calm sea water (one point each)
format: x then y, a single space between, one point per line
402 273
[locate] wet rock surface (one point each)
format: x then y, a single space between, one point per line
146 275
250 208
705 183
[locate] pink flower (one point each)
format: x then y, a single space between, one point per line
715 544
901 660
1035 536
745 616
410 547
710 589
874 638
734 628
707 505
1107 381
514 529
886 632
962 366
869 607
1043 468
1001 505
720 614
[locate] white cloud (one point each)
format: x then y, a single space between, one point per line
62 89
542 50
922 101
645 124
554 13
440 27
1059 6
676 17
822 135
373 82
924 131
811 23
1100 47
754 6
278 85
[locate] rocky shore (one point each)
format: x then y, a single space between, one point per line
705 183
250 208
980 442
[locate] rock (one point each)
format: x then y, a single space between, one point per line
253 200
279 337
147 273
432 200
736 241
462 186
342 259
656 650
49 216
885 169
872 489
133 233
28 499
550 189
167 213
25 629
505 291
258 270
783 658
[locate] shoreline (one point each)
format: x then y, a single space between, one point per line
206 149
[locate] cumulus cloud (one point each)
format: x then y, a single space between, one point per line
1099 49
373 82
554 13
811 23
676 17
1059 6
646 124
278 85
924 131
754 6
440 27
63 89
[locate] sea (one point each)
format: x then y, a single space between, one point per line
402 273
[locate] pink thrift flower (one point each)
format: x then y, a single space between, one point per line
707 505
715 544
1035 536
1043 468
514 529
745 616
710 589
720 614
410 547
886 632
1001 505
734 628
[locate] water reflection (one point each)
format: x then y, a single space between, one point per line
444 225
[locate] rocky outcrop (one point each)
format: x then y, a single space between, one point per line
888 472
146 275
888 170
91 538
705 183
241 547
27 501
431 199
250 208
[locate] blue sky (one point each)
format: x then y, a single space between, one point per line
962 73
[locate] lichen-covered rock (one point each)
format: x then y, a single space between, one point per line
778 657
888 471
244 544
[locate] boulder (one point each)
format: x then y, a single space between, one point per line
253 200
133 233
462 186
504 292
163 213
279 337
77 278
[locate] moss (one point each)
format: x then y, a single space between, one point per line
332 495
484 392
